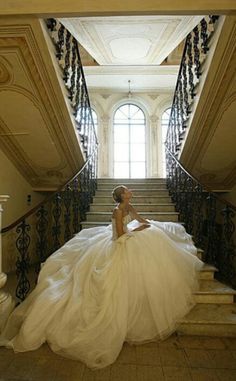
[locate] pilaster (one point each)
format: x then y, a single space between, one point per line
103 151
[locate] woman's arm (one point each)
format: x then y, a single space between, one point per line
136 216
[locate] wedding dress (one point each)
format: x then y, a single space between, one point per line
98 291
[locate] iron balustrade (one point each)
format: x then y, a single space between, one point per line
207 216
45 228
68 56
194 55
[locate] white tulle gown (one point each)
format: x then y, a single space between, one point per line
98 291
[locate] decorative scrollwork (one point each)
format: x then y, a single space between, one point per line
228 259
202 213
60 42
204 36
67 198
23 261
194 54
56 228
41 228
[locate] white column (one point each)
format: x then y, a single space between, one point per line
104 152
6 301
153 146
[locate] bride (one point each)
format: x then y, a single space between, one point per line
131 281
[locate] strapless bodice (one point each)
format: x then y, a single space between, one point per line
127 219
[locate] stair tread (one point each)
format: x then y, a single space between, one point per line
109 222
133 179
207 267
135 183
211 314
214 287
138 196
143 213
137 189
133 203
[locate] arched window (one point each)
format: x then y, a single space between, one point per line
164 126
129 142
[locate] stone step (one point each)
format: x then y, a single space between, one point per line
135 199
103 207
207 272
133 186
209 320
157 216
128 181
136 192
212 291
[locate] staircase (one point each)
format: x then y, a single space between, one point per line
215 311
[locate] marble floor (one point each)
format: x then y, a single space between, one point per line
179 358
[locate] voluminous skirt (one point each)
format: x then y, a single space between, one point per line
94 293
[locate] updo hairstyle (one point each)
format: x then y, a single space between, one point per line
117 193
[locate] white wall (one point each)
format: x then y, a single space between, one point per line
12 183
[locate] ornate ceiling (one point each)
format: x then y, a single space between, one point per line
131 48
131 40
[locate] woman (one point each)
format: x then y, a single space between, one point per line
131 281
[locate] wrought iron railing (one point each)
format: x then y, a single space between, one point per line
208 217
194 55
44 229
67 53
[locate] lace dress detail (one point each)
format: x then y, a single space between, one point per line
126 220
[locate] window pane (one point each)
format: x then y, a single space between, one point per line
121 152
138 170
133 110
137 152
137 134
129 141
122 112
121 170
121 133
138 116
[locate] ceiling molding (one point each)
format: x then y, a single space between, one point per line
142 79
131 40
65 8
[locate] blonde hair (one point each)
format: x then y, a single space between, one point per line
117 192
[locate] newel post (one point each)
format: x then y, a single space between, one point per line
6 301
